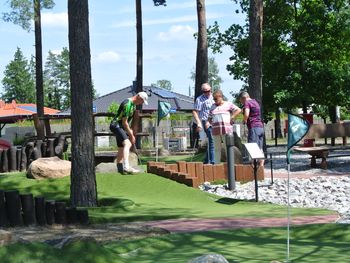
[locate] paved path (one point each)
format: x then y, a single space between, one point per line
194 225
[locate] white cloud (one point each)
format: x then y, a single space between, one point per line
54 19
108 57
177 32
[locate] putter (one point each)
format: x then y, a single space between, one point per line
139 167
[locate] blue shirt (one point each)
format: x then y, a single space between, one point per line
203 105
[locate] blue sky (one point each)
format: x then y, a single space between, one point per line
169 47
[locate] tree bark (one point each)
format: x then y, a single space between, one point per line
202 49
83 178
255 49
139 48
39 69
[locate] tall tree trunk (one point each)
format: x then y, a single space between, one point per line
139 52
39 70
278 131
139 62
202 49
255 49
83 179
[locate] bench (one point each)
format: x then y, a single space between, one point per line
326 131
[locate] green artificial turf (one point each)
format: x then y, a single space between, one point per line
310 243
149 197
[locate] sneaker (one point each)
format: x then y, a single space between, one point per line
131 170
120 168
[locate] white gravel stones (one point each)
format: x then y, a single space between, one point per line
318 192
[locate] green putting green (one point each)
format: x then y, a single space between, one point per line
311 243
142 197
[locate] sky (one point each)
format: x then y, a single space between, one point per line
169 48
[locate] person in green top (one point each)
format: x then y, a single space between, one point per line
124 134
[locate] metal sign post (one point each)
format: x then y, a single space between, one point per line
255 153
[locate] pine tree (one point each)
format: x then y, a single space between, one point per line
18 82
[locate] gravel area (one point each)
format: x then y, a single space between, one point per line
309 188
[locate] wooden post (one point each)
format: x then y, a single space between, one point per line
4 160
83 216
50 211
47 126
40 212
29 152
60 146
28 210
13 208
72 215
38 150
44 149
60 213
12 156
3 213
18 158
51 147
23 159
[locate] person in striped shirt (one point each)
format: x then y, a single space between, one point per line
221 117
201 109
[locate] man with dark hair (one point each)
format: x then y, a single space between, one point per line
124 134
252 117
200 112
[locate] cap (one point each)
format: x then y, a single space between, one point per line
143 95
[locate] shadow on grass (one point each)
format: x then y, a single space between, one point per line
227 201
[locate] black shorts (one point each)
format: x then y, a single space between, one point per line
120 135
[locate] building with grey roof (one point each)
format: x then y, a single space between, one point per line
178 102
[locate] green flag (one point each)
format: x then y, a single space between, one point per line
163 110
297 129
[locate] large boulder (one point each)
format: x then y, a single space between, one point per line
210 258
51 167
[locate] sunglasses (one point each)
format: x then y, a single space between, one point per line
206 91
216 98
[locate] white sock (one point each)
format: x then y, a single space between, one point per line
126 164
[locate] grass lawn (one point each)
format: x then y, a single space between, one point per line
312 243
149 197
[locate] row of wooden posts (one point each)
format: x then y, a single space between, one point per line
19 158
23 209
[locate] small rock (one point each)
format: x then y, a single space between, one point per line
5 237
106 168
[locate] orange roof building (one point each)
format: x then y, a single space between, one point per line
12 112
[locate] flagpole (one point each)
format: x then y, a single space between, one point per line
288 213
297 128
156 124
